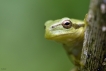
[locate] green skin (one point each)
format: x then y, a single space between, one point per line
69 32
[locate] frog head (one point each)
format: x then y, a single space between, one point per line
64 30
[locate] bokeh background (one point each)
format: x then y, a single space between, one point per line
22 43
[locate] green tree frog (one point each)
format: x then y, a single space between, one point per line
69 32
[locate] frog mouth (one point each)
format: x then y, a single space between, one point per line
58 37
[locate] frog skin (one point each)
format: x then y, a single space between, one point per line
69 32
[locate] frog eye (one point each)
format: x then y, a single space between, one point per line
67 24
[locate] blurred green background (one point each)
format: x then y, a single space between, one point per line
22 43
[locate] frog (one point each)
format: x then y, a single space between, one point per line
70 33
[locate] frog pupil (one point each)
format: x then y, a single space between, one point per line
67 23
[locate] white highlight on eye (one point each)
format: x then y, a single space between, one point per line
104 28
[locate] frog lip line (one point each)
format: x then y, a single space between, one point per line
57 36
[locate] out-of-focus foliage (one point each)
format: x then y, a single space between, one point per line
22 43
